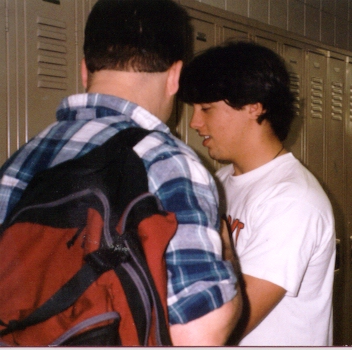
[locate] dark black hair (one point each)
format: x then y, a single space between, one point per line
242 73
137 35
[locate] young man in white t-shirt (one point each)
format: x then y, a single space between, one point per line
281 220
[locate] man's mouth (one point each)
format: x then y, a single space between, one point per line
206 140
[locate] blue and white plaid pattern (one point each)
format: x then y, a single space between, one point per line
198 280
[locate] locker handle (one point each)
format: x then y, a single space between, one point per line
338 255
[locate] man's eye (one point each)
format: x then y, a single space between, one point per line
205 108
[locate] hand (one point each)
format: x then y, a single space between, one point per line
228 247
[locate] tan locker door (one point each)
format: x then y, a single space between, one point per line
53 58
234 33
204 37
335 180
15 63
335 104
43 63
294 58
271 44
3 84
348 167
316 114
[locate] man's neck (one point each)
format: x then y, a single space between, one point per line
145 89
260 149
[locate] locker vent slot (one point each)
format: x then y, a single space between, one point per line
295 86
201 37
56 2
316 104
52 51
336 100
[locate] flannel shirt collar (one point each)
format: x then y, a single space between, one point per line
90 106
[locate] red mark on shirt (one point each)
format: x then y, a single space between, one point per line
236 225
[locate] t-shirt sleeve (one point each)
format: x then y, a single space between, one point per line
285 236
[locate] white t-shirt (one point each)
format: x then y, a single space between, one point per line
285 232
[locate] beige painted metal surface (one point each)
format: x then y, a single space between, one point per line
40 53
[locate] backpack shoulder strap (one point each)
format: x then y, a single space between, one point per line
73 175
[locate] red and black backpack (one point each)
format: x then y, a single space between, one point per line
82 254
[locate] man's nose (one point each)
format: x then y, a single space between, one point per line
196 120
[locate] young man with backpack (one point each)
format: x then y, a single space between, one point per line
280 218
133 55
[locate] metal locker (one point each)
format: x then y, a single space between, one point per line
348 148
269 43
348 203
53 53
315 111
294 59
42 64
335 179
41 48
14 60
234 33
3 85
335 106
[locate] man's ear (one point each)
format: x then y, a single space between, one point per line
255 110
173 78
84 74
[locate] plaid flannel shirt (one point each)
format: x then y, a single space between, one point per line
198 280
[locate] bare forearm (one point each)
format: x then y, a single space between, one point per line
259 296
212 329
262 296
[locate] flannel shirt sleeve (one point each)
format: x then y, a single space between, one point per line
199 281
